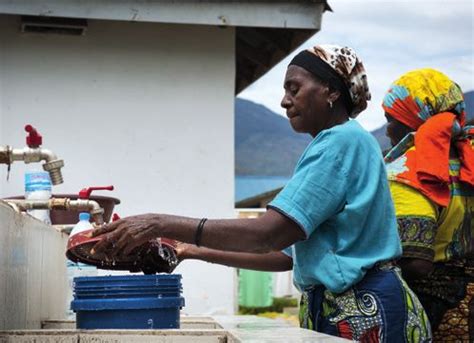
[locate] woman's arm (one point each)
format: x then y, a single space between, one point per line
415 268
268 233
270 262
417 227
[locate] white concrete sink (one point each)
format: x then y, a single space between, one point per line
219 329
107 336
186 322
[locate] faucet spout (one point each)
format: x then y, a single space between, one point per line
91 206
52 164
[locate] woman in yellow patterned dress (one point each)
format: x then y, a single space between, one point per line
431 174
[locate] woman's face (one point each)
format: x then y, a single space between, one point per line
396 130
305 101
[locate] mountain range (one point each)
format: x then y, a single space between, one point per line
265 143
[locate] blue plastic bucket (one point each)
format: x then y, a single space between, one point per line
127 302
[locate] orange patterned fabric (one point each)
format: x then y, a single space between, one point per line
427 166
433 106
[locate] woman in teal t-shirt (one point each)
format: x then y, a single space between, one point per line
333 223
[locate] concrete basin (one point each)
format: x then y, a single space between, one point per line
219 329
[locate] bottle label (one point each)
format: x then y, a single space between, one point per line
37 181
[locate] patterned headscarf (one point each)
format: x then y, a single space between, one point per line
431 104
342 69
420 94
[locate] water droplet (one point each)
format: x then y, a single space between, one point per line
160 250
150 322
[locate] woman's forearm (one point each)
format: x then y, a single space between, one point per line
271 232
414 269
271 262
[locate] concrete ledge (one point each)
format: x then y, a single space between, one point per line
228 329
103 336
186 322
264 330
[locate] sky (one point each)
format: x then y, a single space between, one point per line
391 38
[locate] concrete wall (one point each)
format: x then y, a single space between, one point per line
32 271
145 107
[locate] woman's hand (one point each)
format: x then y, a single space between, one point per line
123 236
185 251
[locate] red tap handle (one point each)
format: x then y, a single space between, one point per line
34 139
85 193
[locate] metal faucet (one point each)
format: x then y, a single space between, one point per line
82 204
33 153
66 204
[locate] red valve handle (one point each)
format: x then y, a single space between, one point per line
115 217
85 193
34 139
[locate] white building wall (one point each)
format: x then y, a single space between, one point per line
145 107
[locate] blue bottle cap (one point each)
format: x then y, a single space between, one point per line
84 216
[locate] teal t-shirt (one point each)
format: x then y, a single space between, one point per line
339 196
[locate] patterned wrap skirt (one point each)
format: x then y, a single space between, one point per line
380 308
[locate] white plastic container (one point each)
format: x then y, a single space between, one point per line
38 187
82 225
75 269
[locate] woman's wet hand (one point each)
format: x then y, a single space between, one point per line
184 250
123 236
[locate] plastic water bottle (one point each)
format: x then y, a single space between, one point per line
75 269
38 187
83 224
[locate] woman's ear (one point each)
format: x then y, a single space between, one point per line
333 95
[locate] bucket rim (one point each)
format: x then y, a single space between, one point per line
126 304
